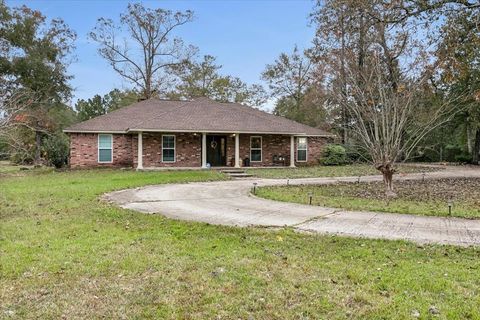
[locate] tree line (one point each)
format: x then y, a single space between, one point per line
395 80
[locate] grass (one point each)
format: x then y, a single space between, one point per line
429 198
331 171
65 254
7 167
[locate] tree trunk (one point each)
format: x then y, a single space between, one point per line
38 147
148 89
344 80
469 138
476 148
361 44
388 180
387 171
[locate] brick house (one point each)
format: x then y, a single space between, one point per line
197 133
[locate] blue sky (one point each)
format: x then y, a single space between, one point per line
243 35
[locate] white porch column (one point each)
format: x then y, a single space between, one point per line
292 151
140 152
204 150
237 150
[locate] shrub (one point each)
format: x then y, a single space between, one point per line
450 152
426 155
4 149
23 156
56 148
21 145
463 157
334 155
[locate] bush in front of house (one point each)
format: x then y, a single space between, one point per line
334 155
56 149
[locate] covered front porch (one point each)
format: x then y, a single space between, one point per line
220 150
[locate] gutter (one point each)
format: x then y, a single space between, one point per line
136 130
211 131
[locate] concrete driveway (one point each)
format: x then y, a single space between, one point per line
230 203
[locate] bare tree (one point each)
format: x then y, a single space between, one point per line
151 47
382 112
13 107
290 75
423 9
342 26
203 78
377 65
14 114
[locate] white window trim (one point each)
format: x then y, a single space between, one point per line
174 148
98 148
261 149
306 149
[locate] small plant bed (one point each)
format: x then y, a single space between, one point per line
428 198
333 171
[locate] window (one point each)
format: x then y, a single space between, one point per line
256 149
301 149
168 148
105 148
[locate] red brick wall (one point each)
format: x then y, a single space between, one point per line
279 145
84 151
188 150
315 147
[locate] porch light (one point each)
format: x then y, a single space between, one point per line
254 188
310 196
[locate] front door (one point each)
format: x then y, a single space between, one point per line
217 150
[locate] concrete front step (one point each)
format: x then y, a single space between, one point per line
236 173
229 171
240 175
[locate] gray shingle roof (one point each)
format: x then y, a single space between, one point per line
199 115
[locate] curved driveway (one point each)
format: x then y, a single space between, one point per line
230 203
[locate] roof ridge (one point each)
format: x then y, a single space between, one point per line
265 115
155 117
278 116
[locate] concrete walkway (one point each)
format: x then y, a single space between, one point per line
230 203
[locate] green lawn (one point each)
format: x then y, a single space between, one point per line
332 171
429 198
65 254
7 167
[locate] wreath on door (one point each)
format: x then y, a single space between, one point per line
213 144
